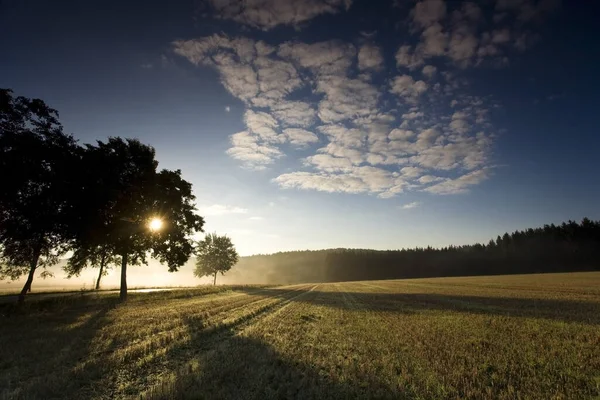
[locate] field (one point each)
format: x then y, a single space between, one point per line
508 337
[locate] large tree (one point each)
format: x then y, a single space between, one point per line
214 254
121 192
36 168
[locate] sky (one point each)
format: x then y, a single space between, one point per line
308 124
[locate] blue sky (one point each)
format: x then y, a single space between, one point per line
317 124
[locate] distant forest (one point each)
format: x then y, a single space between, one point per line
568 247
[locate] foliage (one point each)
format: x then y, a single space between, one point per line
121 192
84 256
94 200
566 247
36 169
501 337
215 254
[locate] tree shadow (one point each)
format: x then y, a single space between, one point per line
47 338
553 309
229 366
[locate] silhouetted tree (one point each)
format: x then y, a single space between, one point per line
36 166
99 256
214 254
121 192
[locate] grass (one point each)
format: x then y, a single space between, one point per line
508 337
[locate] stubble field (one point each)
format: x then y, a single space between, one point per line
509 337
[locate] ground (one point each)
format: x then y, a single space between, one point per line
509 337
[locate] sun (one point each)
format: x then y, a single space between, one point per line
155 224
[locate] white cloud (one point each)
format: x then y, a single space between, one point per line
221 209
370 58
462 46
406 87
428 12
401 134
267 14
264 126
427 179
255 154
330 57
227 109
460 184
329 163
300 137
413 115
294 113
406 57
346 98
429 71
256 218
435 41
326 98
365 179
408 206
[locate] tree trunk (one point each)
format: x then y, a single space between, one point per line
102 261
123 291
32 268
215 281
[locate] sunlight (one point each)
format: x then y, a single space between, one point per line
155 224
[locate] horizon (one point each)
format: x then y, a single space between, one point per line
350 125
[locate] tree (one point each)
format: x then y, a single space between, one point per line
214 254
100 256
36 160
121 192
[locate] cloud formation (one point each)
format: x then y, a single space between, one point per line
221 209
408 206
363 126
267 14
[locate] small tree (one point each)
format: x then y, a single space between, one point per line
215 254
100 256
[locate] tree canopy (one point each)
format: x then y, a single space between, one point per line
214 254
36 171
95 200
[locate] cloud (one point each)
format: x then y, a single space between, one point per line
331 57
294 113
326 108
254 153
427 179
364 179
406 87
256 218
267 14
300 137
460 184
408 206
221 209
429 71
406 57
428 12
346 98
370 58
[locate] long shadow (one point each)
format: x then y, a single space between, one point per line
561 310
228 366
42 338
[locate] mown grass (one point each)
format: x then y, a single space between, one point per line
510 337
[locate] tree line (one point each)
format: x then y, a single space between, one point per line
567 247
106 203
